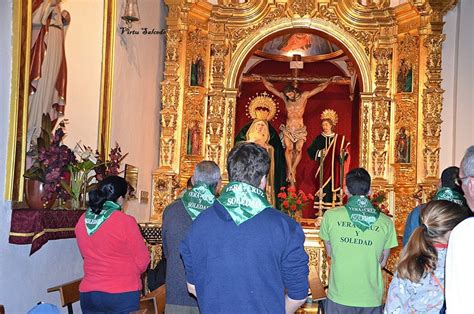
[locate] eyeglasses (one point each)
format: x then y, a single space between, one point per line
460 181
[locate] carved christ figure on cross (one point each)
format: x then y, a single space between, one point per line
294 131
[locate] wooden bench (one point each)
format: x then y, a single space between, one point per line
154 301
69 293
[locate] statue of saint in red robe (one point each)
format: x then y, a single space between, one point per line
329 150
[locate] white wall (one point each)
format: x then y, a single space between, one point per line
457 129
24 279
139 61
83 46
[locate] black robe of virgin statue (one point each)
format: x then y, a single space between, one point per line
279 156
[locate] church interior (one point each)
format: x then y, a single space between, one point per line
152 88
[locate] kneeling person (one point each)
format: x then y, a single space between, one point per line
358 238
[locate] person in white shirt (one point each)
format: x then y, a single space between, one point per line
460 257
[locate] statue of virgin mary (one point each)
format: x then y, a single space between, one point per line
262 109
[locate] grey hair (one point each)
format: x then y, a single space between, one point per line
467 163
207 172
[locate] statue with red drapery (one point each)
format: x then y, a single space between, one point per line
329 150
48 71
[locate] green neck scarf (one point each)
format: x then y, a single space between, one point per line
361 212
94 221
451 195
197 200
242 201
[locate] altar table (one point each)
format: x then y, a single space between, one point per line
38 226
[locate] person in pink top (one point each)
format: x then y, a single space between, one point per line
114 252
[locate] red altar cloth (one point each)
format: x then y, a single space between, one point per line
38 226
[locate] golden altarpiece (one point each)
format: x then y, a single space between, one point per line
380 41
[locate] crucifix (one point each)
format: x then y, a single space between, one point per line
294 131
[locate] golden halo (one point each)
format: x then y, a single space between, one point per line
262 106
331 115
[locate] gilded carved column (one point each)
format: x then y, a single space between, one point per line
381 107
216 108
230 105
406 127
365 114
165 179
432 104
170 89
431 38
195 97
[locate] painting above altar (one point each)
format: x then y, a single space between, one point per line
310 46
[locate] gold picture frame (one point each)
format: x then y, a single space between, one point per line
22 19
131 175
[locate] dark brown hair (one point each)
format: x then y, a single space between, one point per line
248 163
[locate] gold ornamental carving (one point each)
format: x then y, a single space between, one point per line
215 127
378 38
365 136
432 104
314 247
302 8
406 108
216 106
167 151
170 91
427 191
173 39
405 204
195 90
383 57
365 38
236 35
165 191
218 54
381 108
230 125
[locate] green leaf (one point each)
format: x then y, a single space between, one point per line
40 142
45 138
67 188
46 123
122 158
88 165
35 173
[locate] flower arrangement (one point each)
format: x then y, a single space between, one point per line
293 201
88 170
112 166
51 159
378 201
69 174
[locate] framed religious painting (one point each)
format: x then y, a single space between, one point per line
61 75
403 146
405 76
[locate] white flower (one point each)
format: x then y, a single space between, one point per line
84 153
